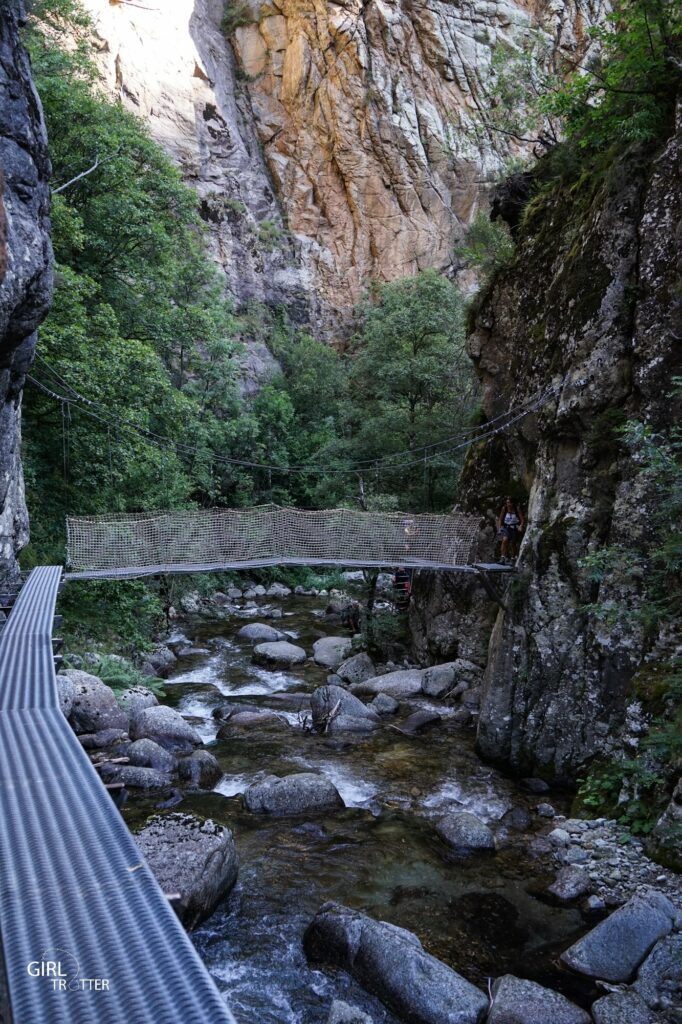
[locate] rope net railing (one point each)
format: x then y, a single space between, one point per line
138 544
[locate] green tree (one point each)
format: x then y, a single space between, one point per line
411 385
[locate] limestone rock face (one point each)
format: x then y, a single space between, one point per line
321 137
25 266
355 107
172 65
589 307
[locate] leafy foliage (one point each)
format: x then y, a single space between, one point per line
648 574
621 91
487 245
120 675
138 360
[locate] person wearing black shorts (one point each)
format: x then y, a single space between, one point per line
510 523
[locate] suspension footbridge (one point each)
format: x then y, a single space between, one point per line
143 544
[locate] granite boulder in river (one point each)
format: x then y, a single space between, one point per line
391 963
301 793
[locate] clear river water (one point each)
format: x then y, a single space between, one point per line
479 915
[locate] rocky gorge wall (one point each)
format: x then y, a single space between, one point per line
25 266
322 138
591 305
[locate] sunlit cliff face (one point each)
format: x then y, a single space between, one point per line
348 112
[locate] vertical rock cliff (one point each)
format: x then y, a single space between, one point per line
325 140
591 305
25 266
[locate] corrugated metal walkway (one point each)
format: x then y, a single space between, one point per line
73 886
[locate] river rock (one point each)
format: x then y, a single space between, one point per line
201 769
278 590
136 699
439 679
570 883
621 1008
517 1001
344 1013
391 963
659 979
302 793
261 632
332 651
384 704
454 677
403 683
94 705
616 946
336 710
279 653
158 662
465 833
145 753
195 858
66 692
356 669
166 727
135 776
420 721
103 738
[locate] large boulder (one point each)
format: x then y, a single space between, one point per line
391 963
145 753
383 704
158 662
302 793
517 1001
464 833
659 979
66 693
336 710
134 776
356 669
166 727
454 678
279 653
94 706
194 858
261 632
403 683
136 699
201 770
331 651
621 1008
616 947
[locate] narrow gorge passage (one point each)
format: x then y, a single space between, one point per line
381 854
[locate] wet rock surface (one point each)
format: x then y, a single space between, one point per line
392 963
193 858
278 653
403 683
617 946
335 710
166 727
517 1001
302 793
464 833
